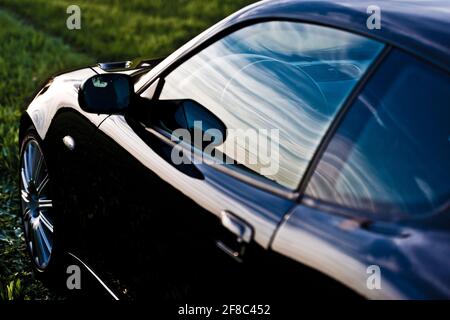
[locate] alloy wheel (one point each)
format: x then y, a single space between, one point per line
37 213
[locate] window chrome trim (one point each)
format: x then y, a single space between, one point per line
336 122
253 180
215 36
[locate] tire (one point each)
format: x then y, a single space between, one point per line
38 208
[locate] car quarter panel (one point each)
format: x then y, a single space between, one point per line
393 213
340 248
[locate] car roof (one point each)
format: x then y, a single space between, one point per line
421 27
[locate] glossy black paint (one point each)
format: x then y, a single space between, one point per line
423 29
159 243
149 227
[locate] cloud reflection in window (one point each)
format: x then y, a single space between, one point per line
275 75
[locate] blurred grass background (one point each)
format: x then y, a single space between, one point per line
35 43
117 29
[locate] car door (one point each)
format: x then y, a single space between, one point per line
375 212
208 219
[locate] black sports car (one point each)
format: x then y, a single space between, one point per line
288 146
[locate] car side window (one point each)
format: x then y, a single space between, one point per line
391 154
276 86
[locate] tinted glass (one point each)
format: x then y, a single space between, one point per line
392 152
284 80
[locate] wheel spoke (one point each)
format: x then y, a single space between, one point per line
27 214
34 159
46 241
37 166
26 176
36 205
24 180
25 196
45 221
43 184
29 161
45 204
39 245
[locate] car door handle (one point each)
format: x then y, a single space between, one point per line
239 228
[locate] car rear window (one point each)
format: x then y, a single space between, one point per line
391 154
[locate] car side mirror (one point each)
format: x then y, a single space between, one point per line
107 93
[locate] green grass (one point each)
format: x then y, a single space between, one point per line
115 29
27 57
35 43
